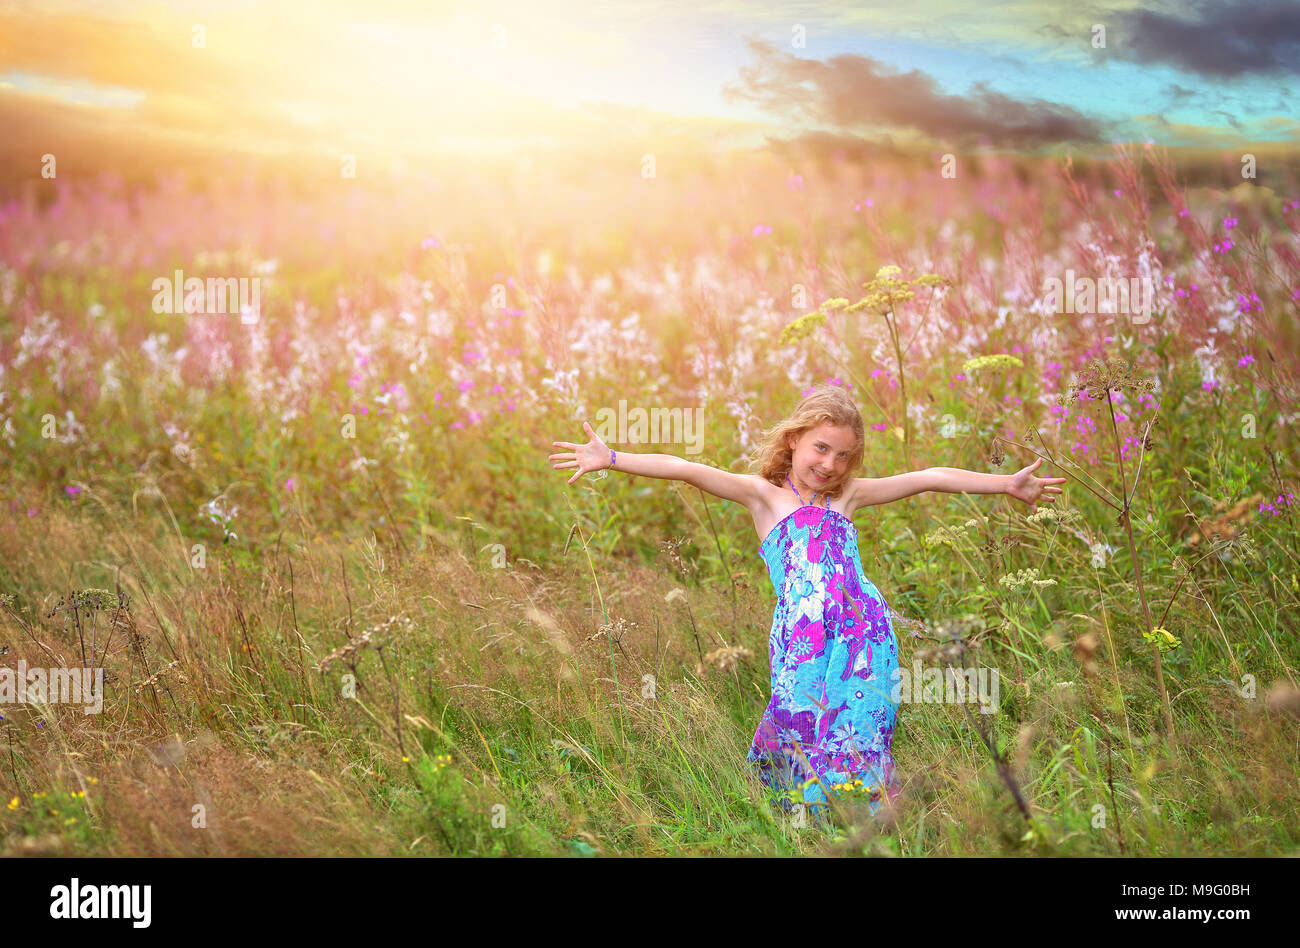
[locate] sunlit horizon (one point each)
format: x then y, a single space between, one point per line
392 78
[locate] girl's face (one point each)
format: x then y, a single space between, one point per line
820 459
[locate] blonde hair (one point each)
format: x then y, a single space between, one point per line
826 405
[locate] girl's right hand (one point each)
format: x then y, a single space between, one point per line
589 457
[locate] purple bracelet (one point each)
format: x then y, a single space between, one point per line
611 457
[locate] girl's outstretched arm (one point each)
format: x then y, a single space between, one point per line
595 456
1022 485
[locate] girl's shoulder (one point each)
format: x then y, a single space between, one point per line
778 502
779 497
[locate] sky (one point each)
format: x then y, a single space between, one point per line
404 77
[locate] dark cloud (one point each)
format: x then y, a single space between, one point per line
1010 61
1221 39
859 93
1231 119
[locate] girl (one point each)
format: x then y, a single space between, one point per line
830 721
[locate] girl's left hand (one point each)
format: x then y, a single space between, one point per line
1024 486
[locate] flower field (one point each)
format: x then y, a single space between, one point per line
343 605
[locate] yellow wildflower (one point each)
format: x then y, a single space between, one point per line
870 301
801 328
999 361
1162 639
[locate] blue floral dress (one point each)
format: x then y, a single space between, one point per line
833 653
